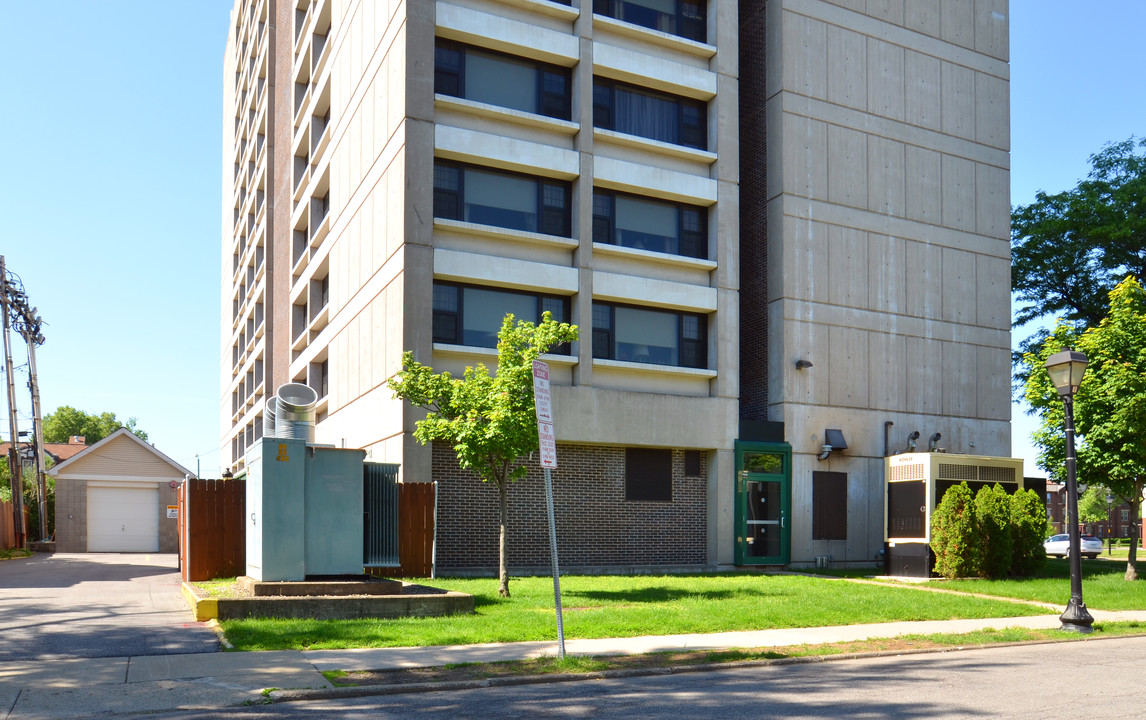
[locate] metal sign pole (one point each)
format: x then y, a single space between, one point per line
547 444
556 573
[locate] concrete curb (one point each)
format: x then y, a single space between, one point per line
203 607
276 696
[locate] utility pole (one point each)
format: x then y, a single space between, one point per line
30 329
13 452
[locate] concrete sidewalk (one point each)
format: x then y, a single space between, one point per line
81 688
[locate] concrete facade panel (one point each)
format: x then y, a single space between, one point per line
848 370
957 23
886 78
847 167
887 274
924 190
922 16
958 91
993 292
804 44
960 296
924 376
924 280
887 178
961 380
847 56
847 266
958 193
992 29
992 201
804 157
922 89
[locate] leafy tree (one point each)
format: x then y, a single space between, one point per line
1109 407
67 421
954 533
1092 506
28 486
1069 250
993 520
1029 527
489 420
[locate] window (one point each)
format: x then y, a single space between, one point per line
508 200
649 114
676 17
648 474
658 337
465 315
645 224
1125 515
692 460
829 506
502 80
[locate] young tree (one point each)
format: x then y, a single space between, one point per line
1092 507
1109 407
489 420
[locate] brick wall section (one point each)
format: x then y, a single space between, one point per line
595 525
753 217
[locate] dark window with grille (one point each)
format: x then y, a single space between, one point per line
499 79
648 474
644 335
470 315
829 506
508 200
685 18
647 224
649 114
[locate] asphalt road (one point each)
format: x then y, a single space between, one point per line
96 605
1092 680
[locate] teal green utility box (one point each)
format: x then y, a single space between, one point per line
304 510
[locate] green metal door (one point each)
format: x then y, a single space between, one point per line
763 503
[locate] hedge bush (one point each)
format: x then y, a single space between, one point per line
993 513
988 534
953 534
1029 527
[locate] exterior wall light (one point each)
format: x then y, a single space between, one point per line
833 440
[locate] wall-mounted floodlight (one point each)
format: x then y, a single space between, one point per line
803 364
833 440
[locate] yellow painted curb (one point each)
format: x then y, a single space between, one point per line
202 607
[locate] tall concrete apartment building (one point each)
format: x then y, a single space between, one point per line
781 225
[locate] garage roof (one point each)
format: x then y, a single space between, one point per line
122 456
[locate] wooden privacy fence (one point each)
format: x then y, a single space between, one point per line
417 512
7 526
212 534
212 537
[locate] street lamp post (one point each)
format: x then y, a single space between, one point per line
1066 369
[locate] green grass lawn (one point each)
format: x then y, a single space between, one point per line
1102 585
628 606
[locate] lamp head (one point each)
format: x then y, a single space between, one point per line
1066 369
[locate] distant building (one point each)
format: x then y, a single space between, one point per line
769 219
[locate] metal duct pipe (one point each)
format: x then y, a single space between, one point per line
269 417
294 416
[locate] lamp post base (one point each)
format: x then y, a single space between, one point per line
1076 618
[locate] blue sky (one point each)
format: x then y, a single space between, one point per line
113 114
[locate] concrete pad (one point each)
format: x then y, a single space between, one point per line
203 694
64 673
285 668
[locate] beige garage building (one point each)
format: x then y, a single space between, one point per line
114 497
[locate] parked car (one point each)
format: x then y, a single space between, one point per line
1059 545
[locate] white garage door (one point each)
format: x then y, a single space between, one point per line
123 519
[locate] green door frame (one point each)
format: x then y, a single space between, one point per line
749 471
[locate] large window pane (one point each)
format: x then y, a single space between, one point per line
646 336
646 225
486 309
502 200
501 81
650 116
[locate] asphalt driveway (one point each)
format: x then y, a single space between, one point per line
96 605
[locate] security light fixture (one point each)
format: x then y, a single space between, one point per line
833 440
803 364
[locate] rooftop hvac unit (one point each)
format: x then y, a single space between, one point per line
915 485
